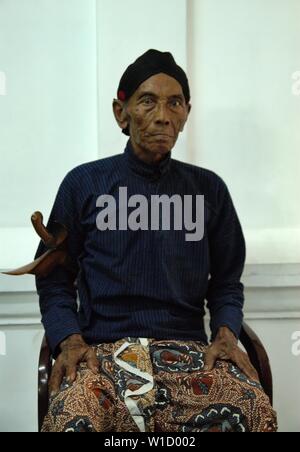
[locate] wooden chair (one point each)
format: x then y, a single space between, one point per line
252 344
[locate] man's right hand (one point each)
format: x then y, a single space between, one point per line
73 352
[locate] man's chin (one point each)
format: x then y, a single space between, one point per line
161 147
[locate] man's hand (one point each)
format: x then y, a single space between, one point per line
73 352
225 346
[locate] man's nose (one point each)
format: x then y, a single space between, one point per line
162 114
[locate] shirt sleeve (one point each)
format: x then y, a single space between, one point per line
225 295
57 292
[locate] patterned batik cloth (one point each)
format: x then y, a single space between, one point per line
148 385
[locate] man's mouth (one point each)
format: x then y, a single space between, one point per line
161 135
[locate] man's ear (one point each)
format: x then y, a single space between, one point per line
188 110
119 109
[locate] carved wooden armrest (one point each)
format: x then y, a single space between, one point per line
55 255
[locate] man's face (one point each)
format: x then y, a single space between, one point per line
156 114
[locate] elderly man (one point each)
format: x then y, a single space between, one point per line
133 354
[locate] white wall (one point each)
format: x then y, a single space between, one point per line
48 117
245 123
59 55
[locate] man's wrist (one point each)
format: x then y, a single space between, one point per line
72 341
224 332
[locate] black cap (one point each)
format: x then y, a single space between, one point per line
151 63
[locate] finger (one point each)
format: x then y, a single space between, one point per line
249 369
56 378
71 372
224 356
246 367
92 362
251 372
210 359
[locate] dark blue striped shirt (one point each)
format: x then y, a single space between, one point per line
143 283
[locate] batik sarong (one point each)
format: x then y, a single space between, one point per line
148 385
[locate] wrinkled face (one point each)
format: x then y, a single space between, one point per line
156 114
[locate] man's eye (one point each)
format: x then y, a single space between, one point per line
148 101
176 103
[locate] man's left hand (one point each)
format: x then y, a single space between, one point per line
225 347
